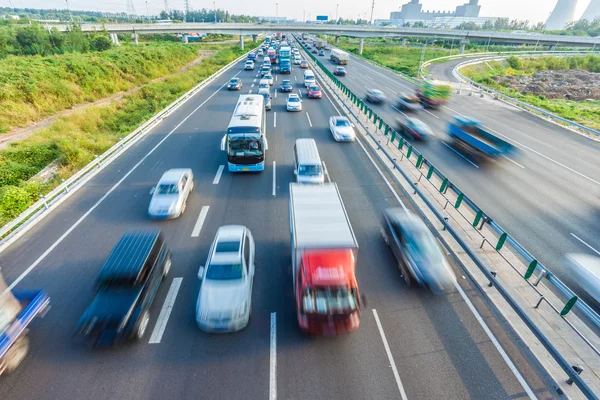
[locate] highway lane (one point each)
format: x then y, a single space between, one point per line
547 197
438 347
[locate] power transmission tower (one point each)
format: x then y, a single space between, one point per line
167 6
372 8
130 8
187 10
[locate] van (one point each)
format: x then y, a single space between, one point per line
309 78
307 162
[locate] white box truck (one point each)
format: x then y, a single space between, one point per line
339 57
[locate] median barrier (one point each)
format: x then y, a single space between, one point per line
14 229
501 245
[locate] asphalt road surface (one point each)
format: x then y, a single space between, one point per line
411 344
547 196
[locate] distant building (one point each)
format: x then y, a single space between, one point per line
412 12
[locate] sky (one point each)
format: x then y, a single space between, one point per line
532 10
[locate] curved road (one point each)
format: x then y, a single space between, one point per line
435 344
547 197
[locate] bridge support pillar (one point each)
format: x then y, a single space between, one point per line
361 44
242 42
255 38
136 38
184 38
553 48
114 38
404 41
337 39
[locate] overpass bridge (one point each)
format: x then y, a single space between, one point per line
357 31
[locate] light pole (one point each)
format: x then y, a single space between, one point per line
215 8
337 7
304 16
147 13
488 43
423 54
277 12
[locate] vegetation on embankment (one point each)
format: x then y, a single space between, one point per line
586 113
73 141
33 87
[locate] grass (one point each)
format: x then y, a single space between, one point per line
34 87
585 113
73 141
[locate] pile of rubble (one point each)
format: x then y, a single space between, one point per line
566 84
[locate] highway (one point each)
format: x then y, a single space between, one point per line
547 197
411 344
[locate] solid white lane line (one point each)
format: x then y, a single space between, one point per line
534 151
514 162
497 345
275 119
309 121
326 171
390 356
430 113
218 175
454 150
274 177
581 240
200 221
273 359
165 312
112 189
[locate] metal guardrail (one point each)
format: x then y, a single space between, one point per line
28 218
539 112
464 206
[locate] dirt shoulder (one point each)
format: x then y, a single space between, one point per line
22 133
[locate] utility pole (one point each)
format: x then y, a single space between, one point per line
304 16
337 7
372 9
277 12
147 13
215 7
69 8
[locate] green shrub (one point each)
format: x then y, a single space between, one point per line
13 201
514 62
100 43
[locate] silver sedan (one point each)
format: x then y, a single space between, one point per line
170 196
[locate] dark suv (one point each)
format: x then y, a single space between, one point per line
126 287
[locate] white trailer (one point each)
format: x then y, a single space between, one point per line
340 57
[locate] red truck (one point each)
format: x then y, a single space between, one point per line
324 251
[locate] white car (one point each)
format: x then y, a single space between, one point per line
170 196
342 129
268 78
293 102
225 299
249 65
297 60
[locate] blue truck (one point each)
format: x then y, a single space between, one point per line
285 60
470 134
17 310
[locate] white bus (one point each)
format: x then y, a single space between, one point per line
246 138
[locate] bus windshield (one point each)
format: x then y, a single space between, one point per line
331 300
244 146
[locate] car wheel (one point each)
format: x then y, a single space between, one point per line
15 356
142 325
167 267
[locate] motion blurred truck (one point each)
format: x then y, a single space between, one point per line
324 251
339 57
473 137
433 94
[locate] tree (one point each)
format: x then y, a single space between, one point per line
488 25
419 24
540 26
468 26
501 24
163 15
100 43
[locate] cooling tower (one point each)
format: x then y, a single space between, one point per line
592 11
564 13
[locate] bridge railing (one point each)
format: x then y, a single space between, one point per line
531 270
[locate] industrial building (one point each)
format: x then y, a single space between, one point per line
412 13
592 11
563 14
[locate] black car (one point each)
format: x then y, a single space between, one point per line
408 103
235 84
417 252
286 86
415 128
339 71
125 289
314 51
375 96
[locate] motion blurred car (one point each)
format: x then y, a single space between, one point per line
585 269
249 66
263 83
170 195
286 86
303 64
308 46
265 70
339 71
293 102
269 78
266 94
251 56
419 256
408 103
321 53
314 51
375 96
225 298
342 129
314 92
234 84
415 128
260 53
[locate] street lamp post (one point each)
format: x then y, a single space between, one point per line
423 54
277 12
336 12
215 8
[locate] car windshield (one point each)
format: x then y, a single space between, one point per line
309 170
263 85
314 89
167 188
245 147
333 300
228 247
223 272
293 100
342 122
422 246
286 83
234 81
420 125
268 77
411 100
341 69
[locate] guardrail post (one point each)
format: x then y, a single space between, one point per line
45 202
578 370
494 275
66 187
541 276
